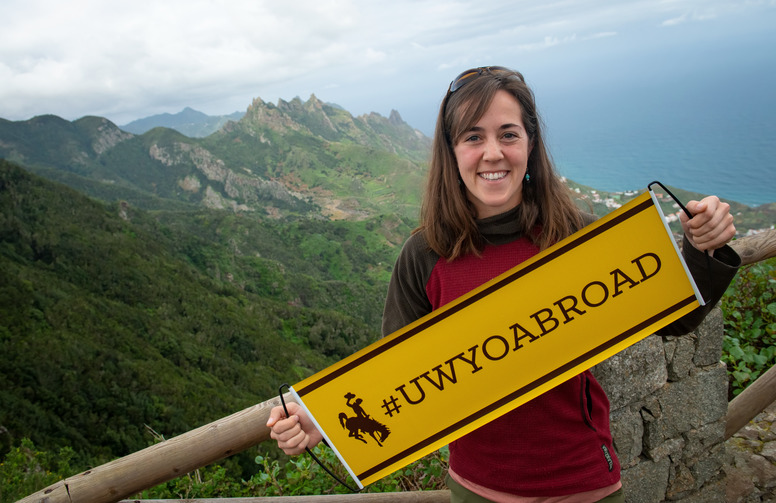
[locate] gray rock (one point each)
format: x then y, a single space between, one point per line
681 363
627 431
633 373
646 482
709 339
769 451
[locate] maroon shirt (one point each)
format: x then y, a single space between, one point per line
558 443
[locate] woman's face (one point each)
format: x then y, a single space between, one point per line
493 157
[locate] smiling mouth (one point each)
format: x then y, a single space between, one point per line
492 176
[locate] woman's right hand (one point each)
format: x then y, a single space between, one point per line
294 433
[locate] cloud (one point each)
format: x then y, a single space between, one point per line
699 11
548 41
690 17
125 60
603 34
154 49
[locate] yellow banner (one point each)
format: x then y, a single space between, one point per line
502 344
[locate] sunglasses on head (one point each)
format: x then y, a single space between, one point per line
472 74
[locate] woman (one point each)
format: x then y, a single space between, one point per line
493 200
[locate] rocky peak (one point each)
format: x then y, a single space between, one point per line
314 104
260 113
395 119
332 123
290 106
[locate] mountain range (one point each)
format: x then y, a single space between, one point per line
292 158
188 122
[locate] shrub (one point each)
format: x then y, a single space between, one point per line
749 308
26 470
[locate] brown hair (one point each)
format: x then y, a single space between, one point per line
548 213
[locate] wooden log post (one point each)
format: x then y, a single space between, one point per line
761 393
164 461
753 400
756 247
442 496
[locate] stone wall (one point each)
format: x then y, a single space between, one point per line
668 404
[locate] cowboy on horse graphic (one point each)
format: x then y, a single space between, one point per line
362 422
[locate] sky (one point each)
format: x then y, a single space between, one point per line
129 60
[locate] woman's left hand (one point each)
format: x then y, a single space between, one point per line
711 226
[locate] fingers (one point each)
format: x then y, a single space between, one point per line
290 436
274 415
287 431
711 226
278 412
294 433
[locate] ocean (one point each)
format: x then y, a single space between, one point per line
701 118
694 143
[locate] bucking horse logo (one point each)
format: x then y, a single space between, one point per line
362 422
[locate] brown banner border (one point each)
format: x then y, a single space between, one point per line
554 253
636 329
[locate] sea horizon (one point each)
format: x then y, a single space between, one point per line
690 139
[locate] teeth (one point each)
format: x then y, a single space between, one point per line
494 176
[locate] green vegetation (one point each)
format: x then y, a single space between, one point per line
163 321
749 307
153 311
26 470
115 317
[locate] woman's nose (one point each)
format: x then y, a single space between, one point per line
492 151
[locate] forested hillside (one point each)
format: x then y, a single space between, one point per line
112 318
214 269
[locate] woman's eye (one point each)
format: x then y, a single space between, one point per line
472 138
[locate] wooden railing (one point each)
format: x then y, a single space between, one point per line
761 393
177 456
753 400
756 248
397 497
